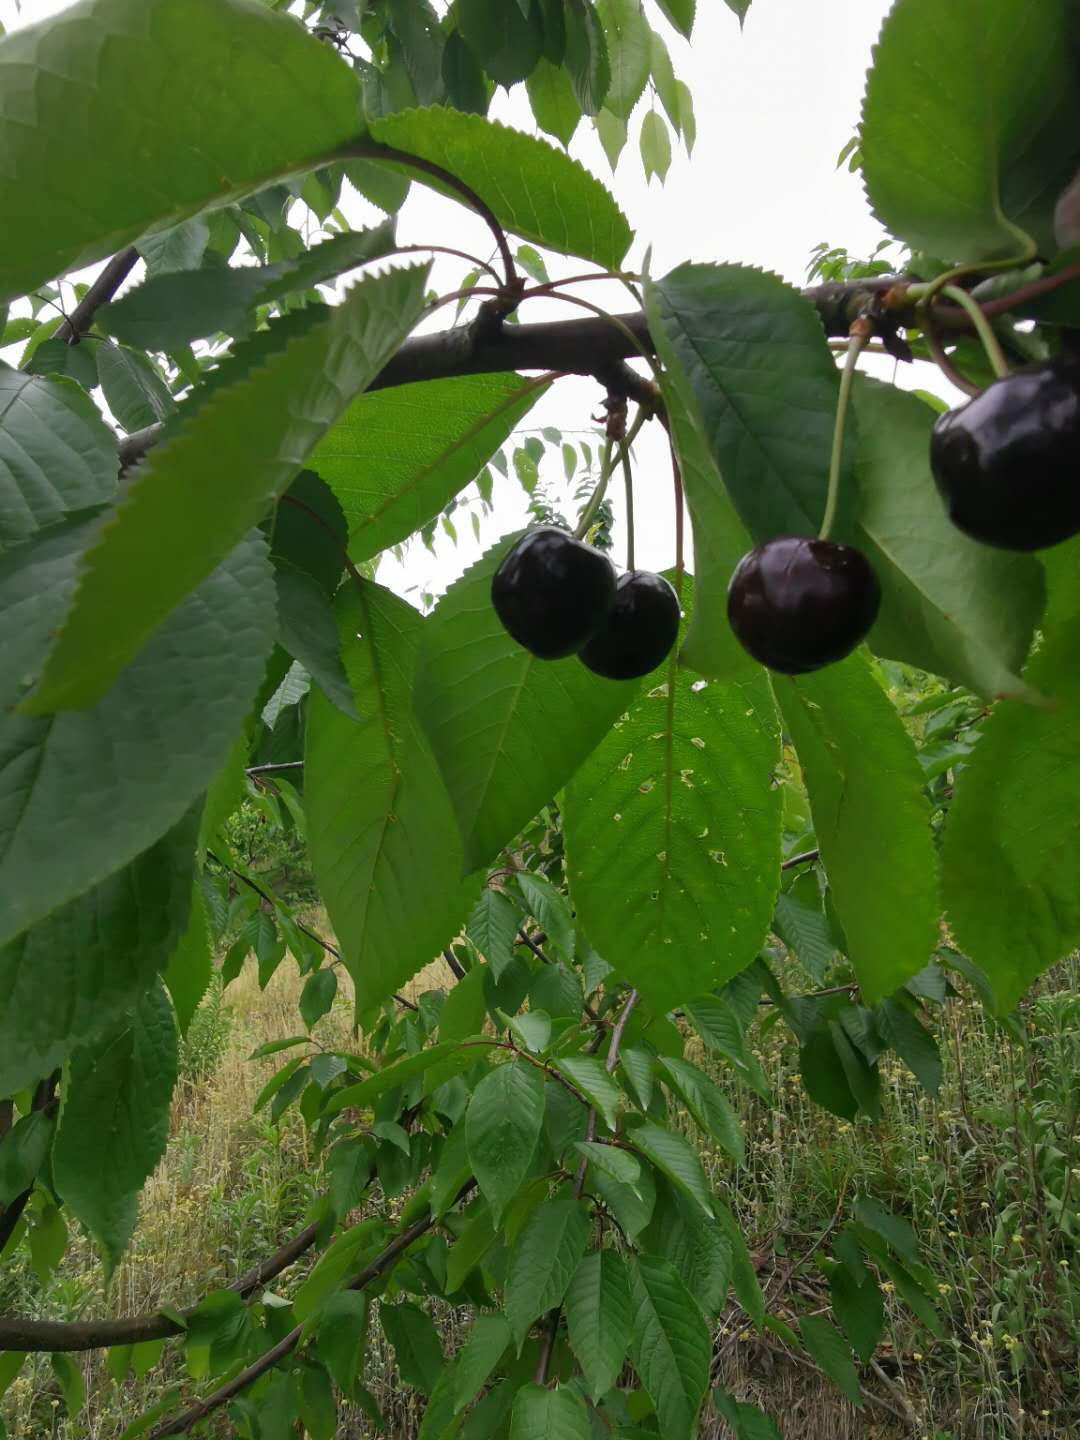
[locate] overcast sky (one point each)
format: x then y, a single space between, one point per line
775 104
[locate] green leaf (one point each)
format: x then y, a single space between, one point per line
915 1045
132 387
57 455
715 1020
720 538
114 1122
998 79
589 1075
670 1345
390 1077
1009 860
181 247
674 1157
216 474
626 32
747 1421
697 1246
493 927
543 1258
824 1073
586 57
487 1342
23 1152
472 1244
187 975
541 1414
507 729
70 1379
801 923
506 41
186 696
620 1165
599 1319
680 13
871 818
397 456
74 972
743 1274
675 806
341 1338
949 605
308 632
860 1309
503 1127
707 1104
655 145
550 908
341 1259
170 310
829 1349
317 995
376 808
555 107
754 355
218 1333
534 189
87 189
416 1345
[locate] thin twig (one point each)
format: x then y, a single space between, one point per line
100 293
273 769
802 859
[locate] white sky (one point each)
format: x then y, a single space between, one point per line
775 104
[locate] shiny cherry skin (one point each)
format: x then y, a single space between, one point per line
1007 462
796 604
552 592
640 631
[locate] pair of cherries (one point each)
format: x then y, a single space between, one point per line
557 596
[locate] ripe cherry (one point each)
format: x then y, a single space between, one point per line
639 632
797 604
552 593
1007 462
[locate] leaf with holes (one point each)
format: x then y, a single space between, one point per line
377 812
86 189
673 833
232 452
507 729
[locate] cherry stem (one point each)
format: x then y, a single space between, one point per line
983 328
628 480
861 331
607 465
676 479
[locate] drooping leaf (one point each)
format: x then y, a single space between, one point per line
57 455
170 310
544 1256
132 387
89 187
654 142
860 1309
76 971
1010 109
317 995
492 928
674 1157
626 32
706 1102
185 697
670 1345
416 1345
534 189
871 818
505 38
673 833
507 729
681 14
488 1341
309 633
587 58
190 968
551 910
216 474
541 1414
829 1348
378 815
1009 861
114 1121
599 1319
23 1151
589 1075
949 605
397 456
695 1244
555 107
503 1127
365 1092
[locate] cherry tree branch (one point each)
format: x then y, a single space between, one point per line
100 293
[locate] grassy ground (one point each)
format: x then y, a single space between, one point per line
984 1174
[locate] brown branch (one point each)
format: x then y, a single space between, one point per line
100 293
802 859
254 770
182 1423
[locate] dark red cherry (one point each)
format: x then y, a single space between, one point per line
1007 462
797 604
640 631
552 593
